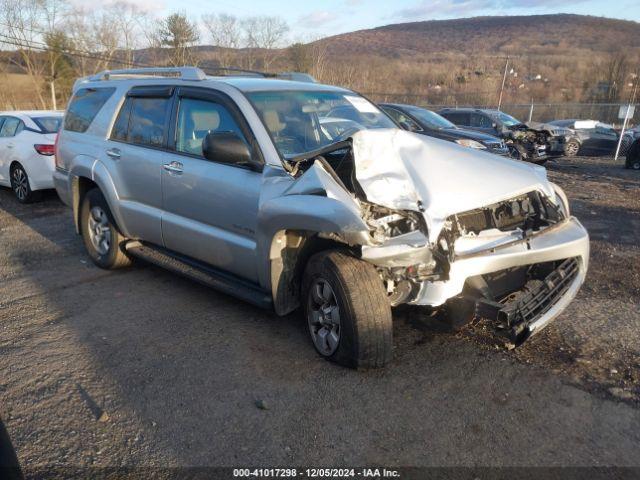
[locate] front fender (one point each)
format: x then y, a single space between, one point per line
306 213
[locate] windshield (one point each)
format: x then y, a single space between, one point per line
505 119
48 124
430 119
303 121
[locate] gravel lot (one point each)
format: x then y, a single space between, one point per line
144 368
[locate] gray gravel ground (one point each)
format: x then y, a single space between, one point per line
141 367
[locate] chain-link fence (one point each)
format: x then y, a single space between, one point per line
538 112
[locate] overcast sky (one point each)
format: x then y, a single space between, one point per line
327 17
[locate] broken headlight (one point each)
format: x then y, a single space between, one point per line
387 223
467 142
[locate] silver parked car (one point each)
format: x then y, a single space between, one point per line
290 194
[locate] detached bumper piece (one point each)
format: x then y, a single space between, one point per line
518 311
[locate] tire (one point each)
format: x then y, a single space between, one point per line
364 328
102 239
571 148
20 185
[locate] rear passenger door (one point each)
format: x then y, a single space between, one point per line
135 153
210 208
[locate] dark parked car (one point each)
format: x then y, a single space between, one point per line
421 120
593 138
530 142
633 155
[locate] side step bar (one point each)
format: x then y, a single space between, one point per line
201 273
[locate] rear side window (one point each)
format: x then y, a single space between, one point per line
84 107
11 127
459 118
142 121
48 124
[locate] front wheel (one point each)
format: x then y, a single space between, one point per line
102 239
347 311
571 148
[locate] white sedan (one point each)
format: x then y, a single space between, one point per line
27 151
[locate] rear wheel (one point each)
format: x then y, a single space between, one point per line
102 239
348 314
20 185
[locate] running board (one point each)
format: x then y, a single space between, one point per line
201 273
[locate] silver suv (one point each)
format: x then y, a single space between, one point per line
294 194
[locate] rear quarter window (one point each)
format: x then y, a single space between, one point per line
84 107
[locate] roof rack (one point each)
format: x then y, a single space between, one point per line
184 73
294 76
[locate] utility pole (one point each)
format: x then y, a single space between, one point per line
52 86
626 119
504 79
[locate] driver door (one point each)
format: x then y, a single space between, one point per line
210 208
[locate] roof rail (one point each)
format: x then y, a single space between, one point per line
184 73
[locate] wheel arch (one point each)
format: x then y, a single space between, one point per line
289 253
84 178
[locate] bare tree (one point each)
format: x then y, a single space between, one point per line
225 33
178 33
24 24
263 34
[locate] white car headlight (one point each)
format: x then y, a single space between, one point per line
467 142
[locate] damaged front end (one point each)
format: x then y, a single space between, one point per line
531 144
449 227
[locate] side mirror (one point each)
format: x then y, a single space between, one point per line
226 147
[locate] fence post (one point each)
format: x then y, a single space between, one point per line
531 111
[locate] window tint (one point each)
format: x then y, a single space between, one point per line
142 121
481 121
197 118
459 118
84 106
48 124
121 127
12 126
147 121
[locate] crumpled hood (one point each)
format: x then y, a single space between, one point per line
407 171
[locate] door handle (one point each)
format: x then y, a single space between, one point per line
173 167
114 153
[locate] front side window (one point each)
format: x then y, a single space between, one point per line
481 121
296 119
142 121
11 127
196 119
84 107
506 119
401 118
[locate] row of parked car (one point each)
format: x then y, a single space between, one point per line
295 195
503 134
